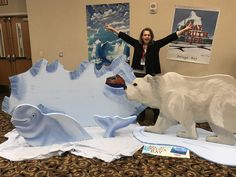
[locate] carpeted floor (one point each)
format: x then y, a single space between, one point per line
138 165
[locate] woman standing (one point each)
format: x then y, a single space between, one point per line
146 53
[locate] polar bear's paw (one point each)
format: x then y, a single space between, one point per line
213 139
153 129
221 139
184 134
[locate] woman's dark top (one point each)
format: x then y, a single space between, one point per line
152 63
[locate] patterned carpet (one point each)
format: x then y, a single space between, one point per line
69 165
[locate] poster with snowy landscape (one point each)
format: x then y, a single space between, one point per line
104 46
195 45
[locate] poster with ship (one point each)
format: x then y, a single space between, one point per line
104 46
194 45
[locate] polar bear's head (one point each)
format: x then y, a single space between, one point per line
144 90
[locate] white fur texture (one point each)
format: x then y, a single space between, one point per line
190 100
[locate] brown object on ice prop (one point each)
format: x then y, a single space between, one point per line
115 81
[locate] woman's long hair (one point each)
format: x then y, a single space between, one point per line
141 34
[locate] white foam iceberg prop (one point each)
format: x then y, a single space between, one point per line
47 101
80 94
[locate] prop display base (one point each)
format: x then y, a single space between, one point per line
218 153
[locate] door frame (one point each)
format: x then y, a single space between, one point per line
13 14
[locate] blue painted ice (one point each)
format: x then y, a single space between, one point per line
80 94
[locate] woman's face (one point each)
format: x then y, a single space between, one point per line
146 37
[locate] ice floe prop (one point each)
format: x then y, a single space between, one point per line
40 129
15 148
111 124
218 153
80 94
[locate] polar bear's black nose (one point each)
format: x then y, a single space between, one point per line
125 87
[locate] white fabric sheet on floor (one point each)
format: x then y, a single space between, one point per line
107 149
218 153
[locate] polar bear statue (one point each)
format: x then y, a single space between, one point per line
189 100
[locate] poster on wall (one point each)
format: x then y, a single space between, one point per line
103 45
195 45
